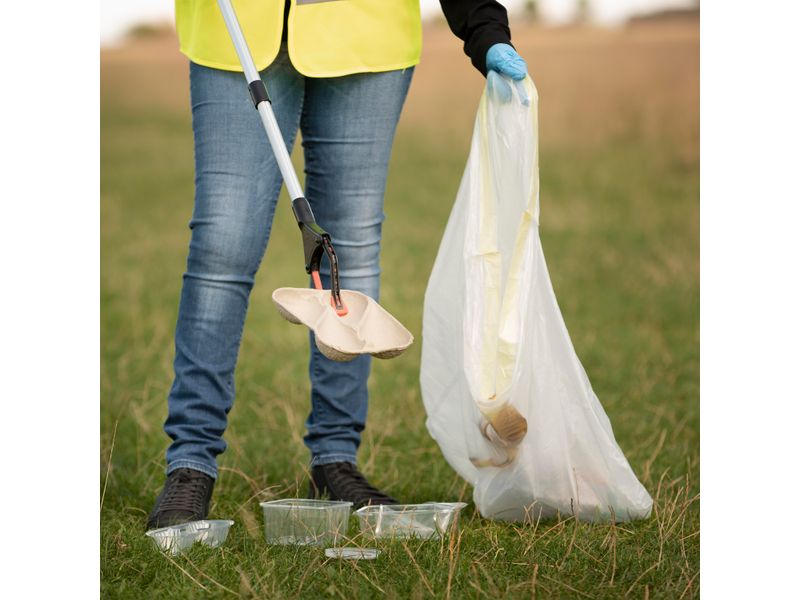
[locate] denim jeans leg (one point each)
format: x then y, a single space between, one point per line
236 188
348 126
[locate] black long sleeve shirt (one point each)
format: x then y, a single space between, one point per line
478 23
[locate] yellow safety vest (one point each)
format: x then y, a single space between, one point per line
326 38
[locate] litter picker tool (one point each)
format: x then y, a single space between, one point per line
346 323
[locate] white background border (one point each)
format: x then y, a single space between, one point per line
49 333
750 278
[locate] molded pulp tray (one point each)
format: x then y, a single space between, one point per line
177 538
305 522
366 328
427 521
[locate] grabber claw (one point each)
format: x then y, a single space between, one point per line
316 242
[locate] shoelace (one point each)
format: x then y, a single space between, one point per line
185 493
347 476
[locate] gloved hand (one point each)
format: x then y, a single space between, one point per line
502 62
505 60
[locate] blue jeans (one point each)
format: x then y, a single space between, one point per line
348 124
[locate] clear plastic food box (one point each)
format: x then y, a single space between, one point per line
426 521
177 538
305 522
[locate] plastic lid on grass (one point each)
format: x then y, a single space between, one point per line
353 553
174 539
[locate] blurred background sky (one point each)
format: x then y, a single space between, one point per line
118 17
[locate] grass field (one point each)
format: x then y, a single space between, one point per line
619 224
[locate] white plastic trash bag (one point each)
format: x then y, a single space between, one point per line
507 399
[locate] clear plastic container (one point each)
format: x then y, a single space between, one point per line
177 538
426 521
305 522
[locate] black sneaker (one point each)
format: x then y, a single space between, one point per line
343 481
185 497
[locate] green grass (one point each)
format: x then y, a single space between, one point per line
619 225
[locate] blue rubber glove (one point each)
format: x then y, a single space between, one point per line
505 60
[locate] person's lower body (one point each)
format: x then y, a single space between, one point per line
348 126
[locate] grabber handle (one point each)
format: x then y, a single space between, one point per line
258 92
316 241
